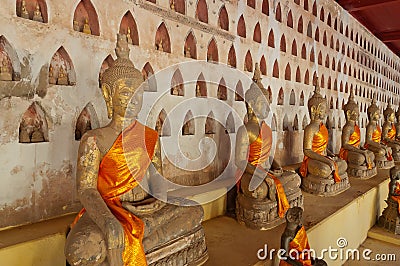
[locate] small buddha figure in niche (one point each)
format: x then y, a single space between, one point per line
121 224
31 127
62 76
6 69
175 90
397 124
198 90
172 5
37 15
160 46
52 78
187 52
389 132
323 173
360 161
187 128
383 153
24 11
210 126
76 26
265 191
210 58
294 241
129 36
86 27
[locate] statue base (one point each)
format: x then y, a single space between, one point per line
390 219
6 76
263 214
325 187
62 81
383 163
189 249
361 172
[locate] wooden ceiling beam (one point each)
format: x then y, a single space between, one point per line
357 5
387 37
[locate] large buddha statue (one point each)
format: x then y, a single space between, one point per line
360 161
389 132
265 190
383 153
121 224
323 173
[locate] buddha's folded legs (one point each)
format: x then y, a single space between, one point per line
395 147
341 164
379 152
359 159
290 181
318 168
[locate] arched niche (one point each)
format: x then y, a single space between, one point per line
275 71
230 124
162 40
239 94
177 87
290 19
269 94
241 27
61 69
248 62
301 99
223 19
288 72
188 127
190 49
210 126
263 66
298 75
232 57
33 127
178 6
212 51
32 9
128 27
87 120
201 86
108 62
10 68
281 97
274 123
86 19
222 92
202 11
265 7
305 122
163 126
257 33
278 13
286 124
148 74
292 98
296 123
283 44
294 48
271 39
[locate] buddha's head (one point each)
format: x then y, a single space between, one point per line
317 105
256 102
121 84
295 215
389 113
373 111
351 109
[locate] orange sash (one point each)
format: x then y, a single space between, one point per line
376 137
259 152
297 246
397 198
120 169
392 133
354 141
319 144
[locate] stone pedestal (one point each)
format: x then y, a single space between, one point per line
361 172
325 187
383 162
390 219
263 214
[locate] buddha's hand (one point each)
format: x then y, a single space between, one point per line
115 242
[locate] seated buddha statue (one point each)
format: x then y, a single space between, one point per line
323 173
294 241
265 191
86 27
37 15
383 153
121 224
24 11
360 161
62 76
389 132
397 124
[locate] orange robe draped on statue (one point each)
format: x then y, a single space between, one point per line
376 137
319 144
259 152
297 246
392 132
120 170
397 198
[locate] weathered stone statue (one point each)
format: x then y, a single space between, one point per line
24 11
6 69
265 190
390 218
76 26
37 15
62 76
86 27
120 222
323 173
294 241
383 153
360 161
389 133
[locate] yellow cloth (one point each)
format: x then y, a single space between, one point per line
319 144
376 137
297 246
392 133
397 198
120 169
259 152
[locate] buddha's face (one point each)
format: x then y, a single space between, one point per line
353 115
260 107
319 112
376 115
296 217
127 99
391 118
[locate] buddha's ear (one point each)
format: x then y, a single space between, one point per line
348 112
313 109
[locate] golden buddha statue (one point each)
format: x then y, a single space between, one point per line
360 161
86 27
389 133
130 41
121 224
323 173
62 76
6 70
265 190
397 124
160 46
24 11
52 78
187 52
76 26
383 153
37 15
172 5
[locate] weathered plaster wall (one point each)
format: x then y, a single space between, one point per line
38 180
